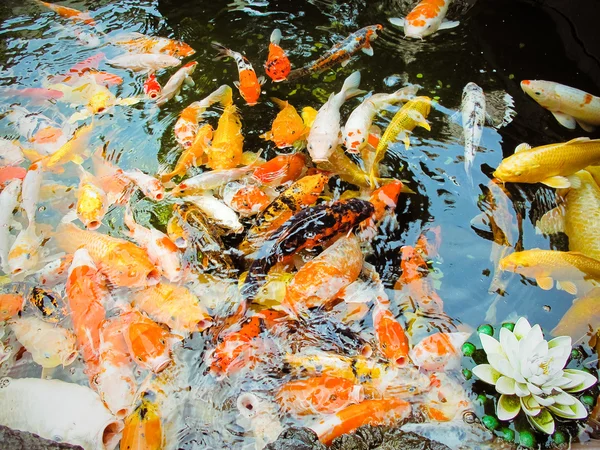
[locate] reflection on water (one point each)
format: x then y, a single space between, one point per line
457 287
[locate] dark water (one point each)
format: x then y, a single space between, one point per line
497 45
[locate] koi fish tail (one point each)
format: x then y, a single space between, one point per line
276 36
299 73
224 51
223 95
350 86
280 103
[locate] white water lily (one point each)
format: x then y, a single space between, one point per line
529 373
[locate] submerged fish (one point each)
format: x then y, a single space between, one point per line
192 155
549 164
568 105
341 52
392 341
173 86
225 151
277 66
426 18
141 43
581 317
70 13
473 119
144 62
143 426
439 351
280 170
249 85
152 87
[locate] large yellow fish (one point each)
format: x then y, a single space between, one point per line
70 151
581 316
549 164
578 217
414 113
192 155
571 270
228 141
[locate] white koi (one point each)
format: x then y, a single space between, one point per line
144 62
473 120
218 211
175 83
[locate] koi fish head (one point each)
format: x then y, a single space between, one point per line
129 266
149 344
91 206
152 88
542 92
516 167
371 31
424 20
516 262
100 101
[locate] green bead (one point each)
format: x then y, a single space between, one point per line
467 374
526 438
576 353
481 398
507 434
486 329
468 349
490 422
509 326
588 400
559 438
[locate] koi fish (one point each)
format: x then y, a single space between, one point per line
309 227
225 151
92 202
70 13
341 52
367 412
50 345
384 199
277 65
549 164
144 62
280 170
288 128
122 262
150 186
303 192
9 199
73 413
141 43
324 135
391 338
237 349
152 87
341 165
87 68
38 95
425 19
568 105
85 296
246 200
143 427
260 418
175 306
10 305
319 280
249 85
175 83
318 395
187 126
161 250
356 130
439 352
570 269
473 119
10 153
192 155
581 315
218 211
411 115
46 302
149 343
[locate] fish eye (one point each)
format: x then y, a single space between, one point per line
330 145
518 173
538 93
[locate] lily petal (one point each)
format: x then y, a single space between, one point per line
586 380
530 406
562 398
534 389
501 364
543 421
522 327
486 373
579 410
521 389
510 345
562 411
505 386
508 407
544 401
490 345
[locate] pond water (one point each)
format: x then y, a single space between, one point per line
495 46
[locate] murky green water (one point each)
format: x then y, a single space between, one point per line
35 43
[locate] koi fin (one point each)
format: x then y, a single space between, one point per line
224 51
128 101
552 222
262 80
557 182
406 139
564 119
346 62
420 120
236 84
399 22
586 126
32 155
545 283
350 86
446 25
280 103
522 147
268 136
368 50
276 36
76 117
567 286
189 81
579 139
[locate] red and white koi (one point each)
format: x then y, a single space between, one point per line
249 84
140 43
70 13
175 83
152 87
150 186
425 19
439 352
277 65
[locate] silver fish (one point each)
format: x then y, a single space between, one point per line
473 119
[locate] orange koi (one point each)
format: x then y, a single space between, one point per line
289 128
192 154
70 13
10 305
391 338
85 295
152 87
384 199
143 427
249 85
281 169
341 52
318 395
319 280
302 193
446 399
245 200
122 262
237 349
9 173
141 43
368 412
278 65
439 352
174 306
425 19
